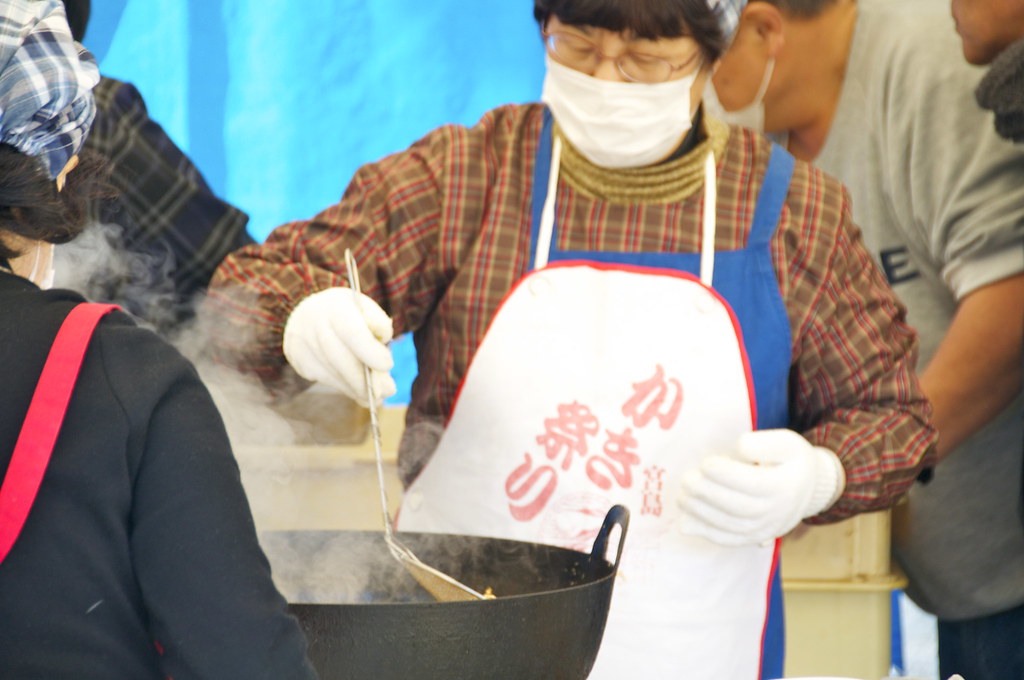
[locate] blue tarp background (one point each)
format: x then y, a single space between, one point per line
278 103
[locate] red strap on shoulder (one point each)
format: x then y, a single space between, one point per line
44 418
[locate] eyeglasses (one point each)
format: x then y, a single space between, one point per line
582 55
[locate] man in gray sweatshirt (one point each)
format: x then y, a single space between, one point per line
875 93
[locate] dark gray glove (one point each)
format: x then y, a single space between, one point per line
1002 92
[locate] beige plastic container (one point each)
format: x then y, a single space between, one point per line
332 487
855 549
838 582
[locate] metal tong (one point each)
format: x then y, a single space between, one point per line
443 587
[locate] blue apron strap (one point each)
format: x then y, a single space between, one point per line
541 170
770 201
773 651
772 197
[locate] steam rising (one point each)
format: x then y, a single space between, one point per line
98 265
308 566
349 567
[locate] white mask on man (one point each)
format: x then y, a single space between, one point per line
618 124
750 116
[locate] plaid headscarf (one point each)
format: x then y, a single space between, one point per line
728 13
46 81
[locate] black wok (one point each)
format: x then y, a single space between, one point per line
367 618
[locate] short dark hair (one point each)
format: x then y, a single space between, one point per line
78 17
648 19
31 206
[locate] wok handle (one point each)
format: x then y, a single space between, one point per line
619 515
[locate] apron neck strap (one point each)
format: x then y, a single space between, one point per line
545 234
545 179
708 227
541 183
772 197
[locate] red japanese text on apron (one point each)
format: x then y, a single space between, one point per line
601 380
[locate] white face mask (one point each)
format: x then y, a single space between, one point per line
618 124
750 116
42 267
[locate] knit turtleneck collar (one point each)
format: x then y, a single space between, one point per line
1002 92
668 182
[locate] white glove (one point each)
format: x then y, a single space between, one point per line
330 335
762 490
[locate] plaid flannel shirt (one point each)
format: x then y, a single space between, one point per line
442 230
165 208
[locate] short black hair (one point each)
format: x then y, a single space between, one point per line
78 17
31 206
647 19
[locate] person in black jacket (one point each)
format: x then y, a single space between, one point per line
138 557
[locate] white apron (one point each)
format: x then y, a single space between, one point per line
600 384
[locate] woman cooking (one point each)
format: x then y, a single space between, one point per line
615 299
126 545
